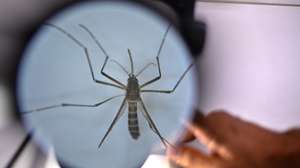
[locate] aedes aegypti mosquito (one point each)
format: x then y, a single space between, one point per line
132 90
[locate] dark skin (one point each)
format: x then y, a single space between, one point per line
234 143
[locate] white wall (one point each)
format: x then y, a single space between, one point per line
251 62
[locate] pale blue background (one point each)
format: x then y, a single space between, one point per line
55 70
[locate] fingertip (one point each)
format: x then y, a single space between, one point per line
187 156
201 134
173 153
175 156
193 128
185 137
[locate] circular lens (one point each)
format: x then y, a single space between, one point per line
105 83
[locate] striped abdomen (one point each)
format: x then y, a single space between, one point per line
133 124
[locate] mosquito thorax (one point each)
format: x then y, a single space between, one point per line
133 90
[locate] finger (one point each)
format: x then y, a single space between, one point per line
209 140
185 137
202 135
190 158
188 136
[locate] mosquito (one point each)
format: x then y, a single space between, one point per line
133 89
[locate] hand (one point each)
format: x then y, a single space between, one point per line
234 143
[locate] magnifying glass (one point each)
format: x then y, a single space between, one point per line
106 83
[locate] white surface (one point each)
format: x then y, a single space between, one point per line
251 62
156 161
51 161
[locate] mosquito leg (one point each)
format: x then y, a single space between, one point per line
120 65
106 56
157 59
109 77
119 84
164 139
156 78
118 115
145 116
71 37
144 68
152 125
70 105
176 85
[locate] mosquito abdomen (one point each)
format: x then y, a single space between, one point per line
133 124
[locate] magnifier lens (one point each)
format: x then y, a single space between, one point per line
105 83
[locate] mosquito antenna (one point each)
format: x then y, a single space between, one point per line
163 40
131 61
116 62
250 3
143 69
94 38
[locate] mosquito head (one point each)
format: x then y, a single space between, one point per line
131 75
